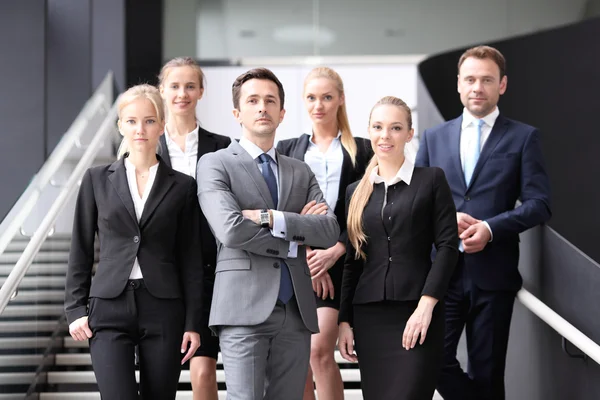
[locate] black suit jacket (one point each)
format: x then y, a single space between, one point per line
297 147
165 240
398 248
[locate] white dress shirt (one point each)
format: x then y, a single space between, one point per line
184 161
138 203
468 133
279 227
405 174
327 168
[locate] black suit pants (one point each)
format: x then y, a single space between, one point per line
486 316
133 318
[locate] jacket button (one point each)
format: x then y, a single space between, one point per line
389 239
390 258
275 265
136 239
467 198
390 218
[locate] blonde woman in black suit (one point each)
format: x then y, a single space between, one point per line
147 290
337 158
181 84
391 291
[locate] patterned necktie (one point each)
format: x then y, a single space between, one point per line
286 290
472 154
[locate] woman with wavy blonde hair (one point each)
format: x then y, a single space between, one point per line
337 158
390 308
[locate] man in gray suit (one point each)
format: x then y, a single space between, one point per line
263 208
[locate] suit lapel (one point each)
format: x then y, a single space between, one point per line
347 169
252 168
206 143
286 181
162 184
454 147
301 147
164 150
496 134
119 181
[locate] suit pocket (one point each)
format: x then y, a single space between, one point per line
235 264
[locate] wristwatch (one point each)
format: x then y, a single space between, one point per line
265 218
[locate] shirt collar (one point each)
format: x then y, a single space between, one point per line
193 135
405 174
310 139
256 151
131 168
489 119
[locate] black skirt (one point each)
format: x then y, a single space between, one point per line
388 371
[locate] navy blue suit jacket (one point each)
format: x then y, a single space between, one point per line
510 168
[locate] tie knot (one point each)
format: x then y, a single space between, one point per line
264 158
479 123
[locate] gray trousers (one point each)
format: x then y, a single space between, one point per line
267 361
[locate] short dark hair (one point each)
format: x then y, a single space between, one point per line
483 52
255 73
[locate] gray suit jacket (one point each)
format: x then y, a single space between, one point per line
248 261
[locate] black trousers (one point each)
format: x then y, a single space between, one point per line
388 371
133 318
486 316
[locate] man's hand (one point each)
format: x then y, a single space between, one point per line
312 207
475 237
464 221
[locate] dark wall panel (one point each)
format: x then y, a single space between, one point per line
552 84
69 82
22 61
144 22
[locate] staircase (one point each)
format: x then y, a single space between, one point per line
38 356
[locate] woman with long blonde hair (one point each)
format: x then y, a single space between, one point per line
390 308
337 158
147 290
181 84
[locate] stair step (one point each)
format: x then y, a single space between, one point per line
36 310
84 359
42 256
38 269
39 296
35 282
54 245
25 360
20 343
349 394
17 378
28 326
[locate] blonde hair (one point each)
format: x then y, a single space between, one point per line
347 138
361 195
181 62
143 91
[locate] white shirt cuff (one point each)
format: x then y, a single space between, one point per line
489 229
279 231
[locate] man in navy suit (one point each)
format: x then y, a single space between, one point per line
490 162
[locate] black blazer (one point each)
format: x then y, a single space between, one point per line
398 248
297 147
165 240
208 142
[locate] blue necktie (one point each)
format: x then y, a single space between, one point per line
286 290
472 154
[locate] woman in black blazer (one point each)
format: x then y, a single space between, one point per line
391 291
181 84
147 290
337 159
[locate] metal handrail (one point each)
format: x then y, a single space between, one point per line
72 137
560 325
20 269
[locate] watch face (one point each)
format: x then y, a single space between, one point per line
264 218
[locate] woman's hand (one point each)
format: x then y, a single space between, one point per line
320 261
346 342
418 323
79 329
323 286
193 338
